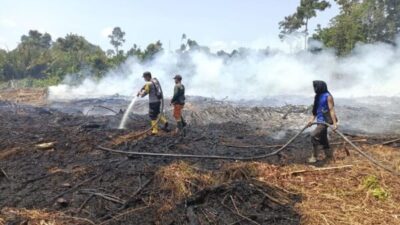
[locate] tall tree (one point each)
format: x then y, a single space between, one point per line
366 21
393 18
135 51
37 39
307 10
346 29
30 58
117 39
151 50
72 54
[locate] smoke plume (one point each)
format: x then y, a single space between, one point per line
371 70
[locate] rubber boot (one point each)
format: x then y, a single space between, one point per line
314 154
154 125
312 159
164 121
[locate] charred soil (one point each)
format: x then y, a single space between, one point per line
52 172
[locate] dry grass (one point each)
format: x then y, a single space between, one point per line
9 152
132 136
179 180
344 196
40 217
136 136
246 171
34 96
77 171
361 194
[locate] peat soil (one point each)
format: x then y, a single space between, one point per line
50 161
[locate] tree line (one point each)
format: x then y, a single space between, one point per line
38 57
38 60
359 21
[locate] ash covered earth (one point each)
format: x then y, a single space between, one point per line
76 183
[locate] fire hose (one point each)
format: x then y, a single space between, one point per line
171 155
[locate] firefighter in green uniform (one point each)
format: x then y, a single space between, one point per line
152 88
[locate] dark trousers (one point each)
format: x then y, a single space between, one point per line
320 137
154 110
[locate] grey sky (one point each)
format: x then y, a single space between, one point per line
218 23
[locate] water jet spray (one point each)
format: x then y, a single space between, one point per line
126 114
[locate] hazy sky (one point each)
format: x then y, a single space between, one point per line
216 23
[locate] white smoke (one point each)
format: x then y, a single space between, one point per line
371 70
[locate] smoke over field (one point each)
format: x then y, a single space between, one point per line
371 70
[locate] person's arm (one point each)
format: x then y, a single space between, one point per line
144 91
312 119
332 112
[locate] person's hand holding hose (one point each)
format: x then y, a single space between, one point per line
311 121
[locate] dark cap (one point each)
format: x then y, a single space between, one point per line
179 77
147 74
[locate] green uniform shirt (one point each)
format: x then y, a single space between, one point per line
179 94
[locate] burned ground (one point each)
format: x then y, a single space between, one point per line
71 181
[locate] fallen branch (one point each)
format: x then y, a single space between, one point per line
317 170
105 196
237 211
75 187
5 174
270 197
84 203
391 141
130 200
132 197
42 177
